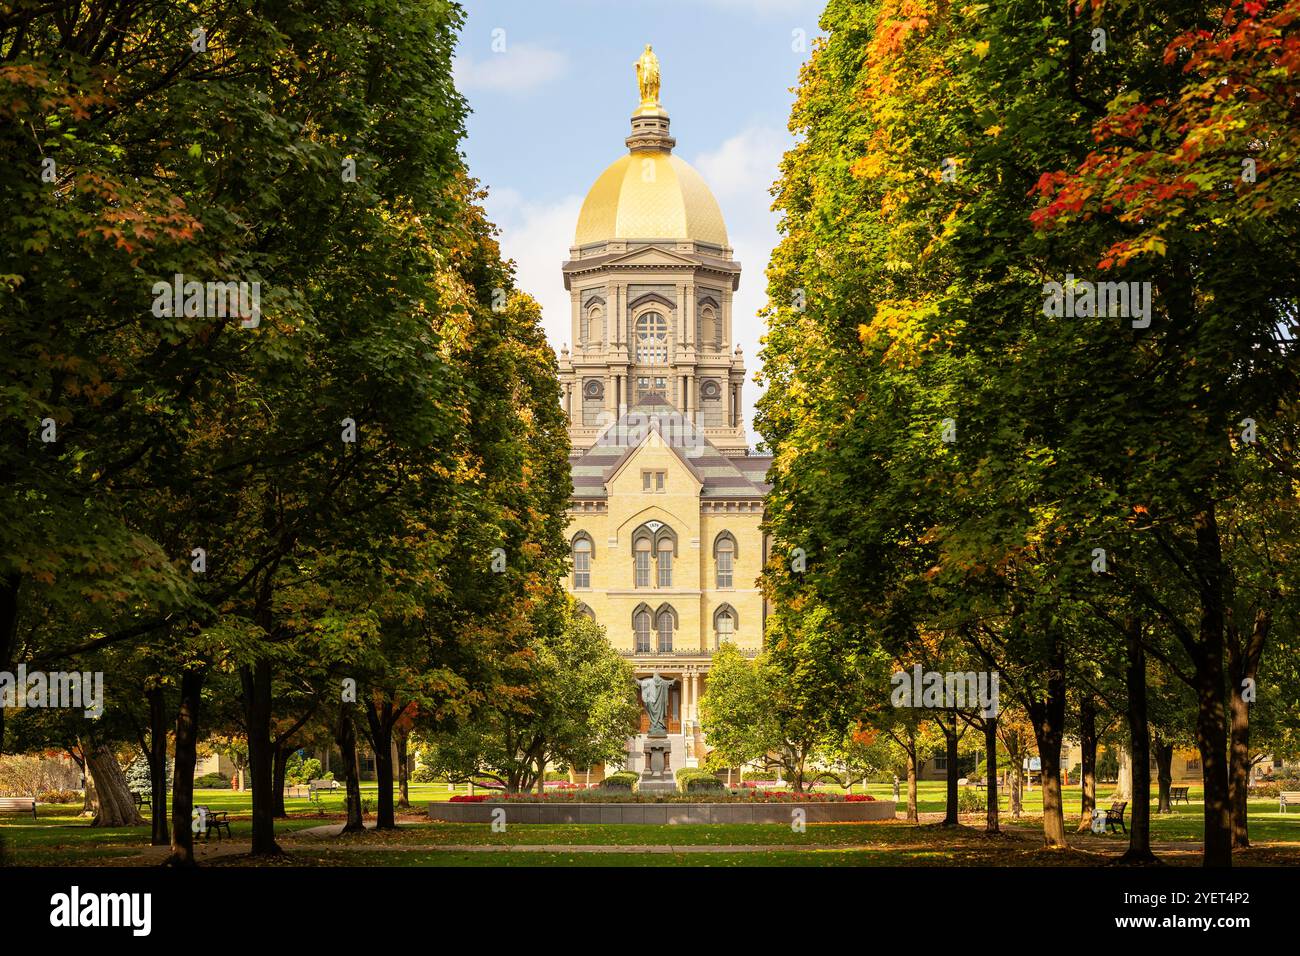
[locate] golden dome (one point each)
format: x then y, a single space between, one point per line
650 194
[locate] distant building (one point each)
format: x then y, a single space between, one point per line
667 500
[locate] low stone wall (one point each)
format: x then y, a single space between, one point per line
661 813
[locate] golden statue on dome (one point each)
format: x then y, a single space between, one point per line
647 78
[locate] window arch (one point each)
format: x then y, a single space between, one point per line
709 327
586 611
641 552
725 624
583 549
593 324
657 542
641 622
664 560
724 559
651 332
665 625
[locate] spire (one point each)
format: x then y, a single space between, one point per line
650 121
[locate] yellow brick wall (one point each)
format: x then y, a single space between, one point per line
693 595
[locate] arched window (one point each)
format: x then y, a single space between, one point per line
652 339
582 550
709 327
665 624
586 611
724 556
641 559
653 541
665 563
724 625
593 329
641 627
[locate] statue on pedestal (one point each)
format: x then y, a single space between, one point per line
654 695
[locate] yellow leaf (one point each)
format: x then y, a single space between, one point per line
982 49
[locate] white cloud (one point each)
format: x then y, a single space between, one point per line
741 172
537 236
746 165
519 68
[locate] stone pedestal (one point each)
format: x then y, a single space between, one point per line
657 774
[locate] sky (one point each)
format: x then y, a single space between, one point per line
551 87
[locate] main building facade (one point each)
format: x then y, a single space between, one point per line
664 523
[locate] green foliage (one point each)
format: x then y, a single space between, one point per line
575 706
693 780
138 779
623 780
212 781
299 770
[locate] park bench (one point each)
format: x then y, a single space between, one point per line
216 820
1178 793
1287 798
141 800
1115 816
24 804
296 790
314 787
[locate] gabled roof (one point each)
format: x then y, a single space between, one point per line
720 476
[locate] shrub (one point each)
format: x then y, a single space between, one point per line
694 780
1273 788
969 800
22 776
423 774
59 796
212 781
623 780
299 769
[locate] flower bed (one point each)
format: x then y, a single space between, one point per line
665 808
604 796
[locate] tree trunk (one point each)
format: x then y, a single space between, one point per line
256 681
913 816
187 741
114 806
9 585
991 774
1164 773
346 737
1048 717
380 718
1124 778
1088 761
403 769
1207 655
280 752
950 818
1139 735
160 836
1243 664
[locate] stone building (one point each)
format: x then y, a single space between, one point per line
664 522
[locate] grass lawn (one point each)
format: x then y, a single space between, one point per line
60 837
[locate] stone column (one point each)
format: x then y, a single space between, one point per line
611 306
623 332
679 318
727 344
690 314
